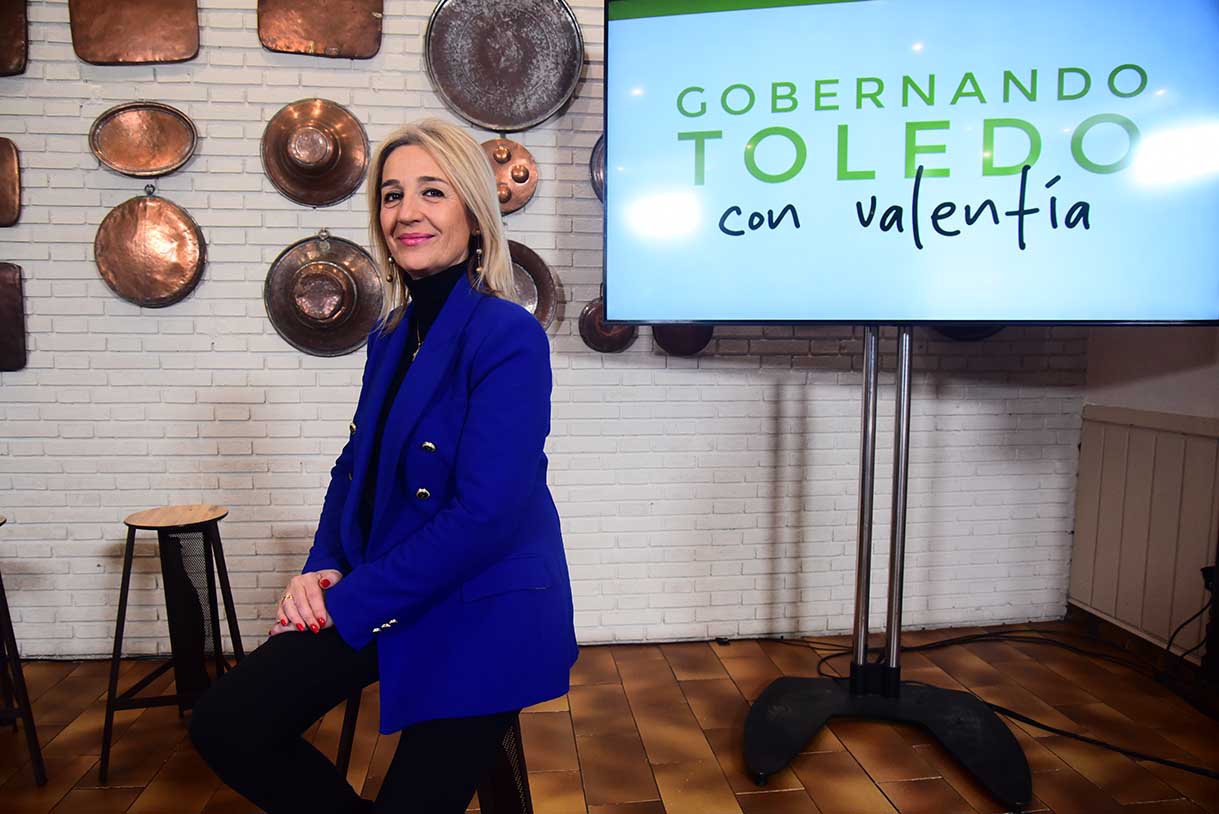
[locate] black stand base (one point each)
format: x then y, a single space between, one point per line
791 710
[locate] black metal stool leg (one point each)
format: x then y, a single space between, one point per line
506 790
112 690
6 683
348 735
21 698
212 533
209 560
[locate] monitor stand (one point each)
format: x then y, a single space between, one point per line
791 710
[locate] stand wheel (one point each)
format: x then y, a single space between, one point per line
759 779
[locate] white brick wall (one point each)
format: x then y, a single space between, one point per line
700 497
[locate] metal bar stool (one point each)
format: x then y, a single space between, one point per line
16 699
506 789
191 560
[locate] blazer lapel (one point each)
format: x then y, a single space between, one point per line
389 351
434 360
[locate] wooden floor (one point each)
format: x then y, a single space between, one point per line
651 729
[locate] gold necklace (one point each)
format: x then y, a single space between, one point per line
418 343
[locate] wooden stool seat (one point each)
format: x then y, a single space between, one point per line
16 700
175 517
192 568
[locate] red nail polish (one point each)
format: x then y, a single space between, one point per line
313 628
300 627
322 621
283 621
325 583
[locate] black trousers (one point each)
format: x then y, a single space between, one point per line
248 728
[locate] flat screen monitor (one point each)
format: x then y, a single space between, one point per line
912 161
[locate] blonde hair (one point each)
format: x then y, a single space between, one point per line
463 161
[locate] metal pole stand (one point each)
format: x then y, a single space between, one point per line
791 710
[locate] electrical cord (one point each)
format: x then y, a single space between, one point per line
1023 636
1130 753
1182 626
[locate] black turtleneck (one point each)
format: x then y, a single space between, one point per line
428 296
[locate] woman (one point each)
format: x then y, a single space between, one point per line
438 566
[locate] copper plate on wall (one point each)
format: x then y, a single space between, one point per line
315 152
536 288
504 64
14 37
682 339
596 168
149 251
10 183
516 173
12 319
143 139
601 336
119 32
323 295
350 29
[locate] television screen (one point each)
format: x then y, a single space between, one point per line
896 161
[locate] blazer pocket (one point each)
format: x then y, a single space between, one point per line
522 572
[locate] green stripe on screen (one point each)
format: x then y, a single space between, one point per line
634 9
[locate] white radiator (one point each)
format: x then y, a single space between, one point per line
1146 520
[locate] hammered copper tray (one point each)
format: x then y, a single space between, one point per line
596 168
149 251
12 319
516 173
14 37
143 139
10 183
350 29
504 64
536 288
120 32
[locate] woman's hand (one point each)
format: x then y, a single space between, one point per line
302 606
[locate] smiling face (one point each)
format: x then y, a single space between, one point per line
424 222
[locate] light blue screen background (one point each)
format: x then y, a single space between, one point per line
1152 253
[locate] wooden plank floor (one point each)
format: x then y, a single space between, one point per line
648 729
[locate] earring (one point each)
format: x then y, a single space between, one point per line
389 271
478 255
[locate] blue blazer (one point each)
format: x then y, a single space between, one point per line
461 580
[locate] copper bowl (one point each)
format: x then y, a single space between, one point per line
315 152
323 295
536 289
602 336
682 339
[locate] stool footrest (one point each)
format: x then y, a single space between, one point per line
146 680
143 703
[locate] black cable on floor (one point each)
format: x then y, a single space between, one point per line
1130 753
